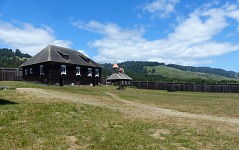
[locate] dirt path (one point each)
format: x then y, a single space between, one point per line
122 105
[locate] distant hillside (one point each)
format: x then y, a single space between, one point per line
216 71
171 72
11 59
155 71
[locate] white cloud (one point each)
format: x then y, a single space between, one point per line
160 8
83 52
191 43
233 13
61 43
27 38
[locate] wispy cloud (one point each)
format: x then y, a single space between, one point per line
27 38
191 43
160 8
83 52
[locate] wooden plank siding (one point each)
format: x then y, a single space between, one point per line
10 74
52 74
171 86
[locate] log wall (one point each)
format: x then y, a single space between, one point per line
193 87
10 74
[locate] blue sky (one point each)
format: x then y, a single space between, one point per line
194 33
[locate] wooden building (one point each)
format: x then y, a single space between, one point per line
118 76
59 65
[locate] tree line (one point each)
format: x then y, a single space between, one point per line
12 59
138 71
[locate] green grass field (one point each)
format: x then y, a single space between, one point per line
29 122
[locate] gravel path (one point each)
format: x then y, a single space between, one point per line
122 105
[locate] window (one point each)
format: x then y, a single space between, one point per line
41 70
63 70
89 72
26 71
97 73
87 60
63 55
30 70
78 71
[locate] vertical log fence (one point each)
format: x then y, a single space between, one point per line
10 74
193 87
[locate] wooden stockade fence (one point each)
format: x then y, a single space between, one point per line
10 74
193 87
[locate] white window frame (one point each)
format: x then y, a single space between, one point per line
30 71
41 70
26 71
97 73
63 69
89 72
78 71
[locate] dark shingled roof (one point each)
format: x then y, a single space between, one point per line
118 76
62 55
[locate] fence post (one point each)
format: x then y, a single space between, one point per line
147 84
193 86
204 87
2 74
227 88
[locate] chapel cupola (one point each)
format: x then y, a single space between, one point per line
115 68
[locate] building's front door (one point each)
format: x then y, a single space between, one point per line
77 82
61 81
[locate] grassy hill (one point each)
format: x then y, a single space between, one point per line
171 72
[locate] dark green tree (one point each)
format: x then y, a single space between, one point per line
18 53
10 59
153 70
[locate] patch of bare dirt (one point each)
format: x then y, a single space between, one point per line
127 107
2 127
158 134
72 142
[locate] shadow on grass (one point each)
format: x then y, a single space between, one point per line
6 102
